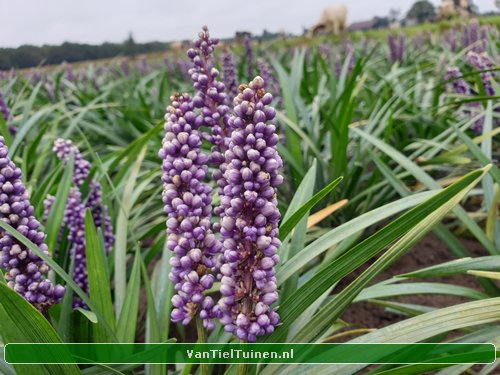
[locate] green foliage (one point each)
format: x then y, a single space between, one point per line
375 157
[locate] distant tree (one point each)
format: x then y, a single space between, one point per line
380 22
473 7
129 46
394 14
497 3
421 11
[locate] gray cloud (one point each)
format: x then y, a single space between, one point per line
96 21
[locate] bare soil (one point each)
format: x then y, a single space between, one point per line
428 252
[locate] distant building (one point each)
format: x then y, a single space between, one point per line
395 25
363 25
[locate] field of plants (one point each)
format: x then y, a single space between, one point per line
255 192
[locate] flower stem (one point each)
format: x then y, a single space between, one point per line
202 338
242 367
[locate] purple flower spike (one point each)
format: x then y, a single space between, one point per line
188 204
249 225
100 214
272 84
210 96
475 35
74 217
461 87
247 42
481 61
25 270
230 73
210 100
396 48
4 108
70 75
125 67
5 112
450 38
63 149
351 60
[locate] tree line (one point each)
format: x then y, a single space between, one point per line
27 56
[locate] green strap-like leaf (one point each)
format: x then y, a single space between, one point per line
127 322
56 215
57 269
21 322
361 253
100 292
456 267
288 226
344 231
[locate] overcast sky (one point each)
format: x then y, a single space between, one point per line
95 21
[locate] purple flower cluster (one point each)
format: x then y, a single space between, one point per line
63 149
249 225
210 100
397 48
183 67
168 65
247 43
143 66
100 214
272 84
70 75
481 61
246 171
74 217
350 58
461 87
188 204
4 108
229 73
51 90
450 38
25 270
475 36
325 50
125 67
210 96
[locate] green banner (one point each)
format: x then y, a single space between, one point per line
250 353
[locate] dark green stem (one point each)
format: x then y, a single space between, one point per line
202 338
243 367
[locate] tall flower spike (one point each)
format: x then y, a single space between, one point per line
210 95
211 102
461 87
25 270
229 73
5 113
474 35
247 42
249 225
481 61
100 214
63 149
4 108
272 84
74 217
188 202
397 48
